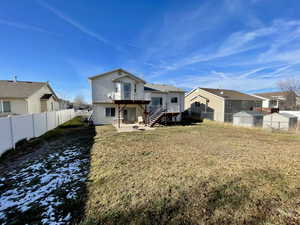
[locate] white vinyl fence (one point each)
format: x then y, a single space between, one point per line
16 128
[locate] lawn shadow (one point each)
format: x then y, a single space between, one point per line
60 154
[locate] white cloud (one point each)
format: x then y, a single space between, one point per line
78 26
242 81
271 43
26 27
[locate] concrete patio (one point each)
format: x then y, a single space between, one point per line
131 127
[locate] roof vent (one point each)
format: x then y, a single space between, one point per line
221 92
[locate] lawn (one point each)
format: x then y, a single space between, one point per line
208 173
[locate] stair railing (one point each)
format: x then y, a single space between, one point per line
155 113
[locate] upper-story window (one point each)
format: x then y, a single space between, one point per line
156 101
257 104
174 100
273 103
127 90
134 88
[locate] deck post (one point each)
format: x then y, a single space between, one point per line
119 115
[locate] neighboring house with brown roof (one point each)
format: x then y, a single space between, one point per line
24 97
219 104
282 100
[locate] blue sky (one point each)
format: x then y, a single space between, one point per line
247 45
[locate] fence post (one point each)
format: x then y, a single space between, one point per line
46 121
11 132
33 131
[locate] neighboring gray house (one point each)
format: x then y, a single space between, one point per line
24 97
280 121
248 119
219 104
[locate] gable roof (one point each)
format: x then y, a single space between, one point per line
127 75
248 113
117 70
162 88
286 115
231 94
271 95
20 89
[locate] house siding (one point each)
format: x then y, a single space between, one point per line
17 106
234 106
34 101
100 117
103 86
166 98
215 105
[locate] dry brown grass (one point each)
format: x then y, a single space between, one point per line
203 174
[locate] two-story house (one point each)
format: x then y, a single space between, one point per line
121 97
281 100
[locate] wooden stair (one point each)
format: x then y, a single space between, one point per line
156 116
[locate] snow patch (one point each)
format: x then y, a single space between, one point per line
39 183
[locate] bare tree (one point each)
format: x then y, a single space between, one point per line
79 100
292 86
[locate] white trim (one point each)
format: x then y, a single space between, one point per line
2 108
186 94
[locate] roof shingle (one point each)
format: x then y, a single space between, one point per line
19 89
162 88
270 95
231 94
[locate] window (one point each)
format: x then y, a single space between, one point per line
228 104
134 88
127 90
6 106
110 112
156 101
258 104
273 103
174 100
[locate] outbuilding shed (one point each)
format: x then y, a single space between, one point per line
248 119
280 121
